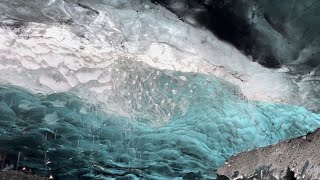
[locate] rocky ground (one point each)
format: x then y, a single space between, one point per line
297 158
14 175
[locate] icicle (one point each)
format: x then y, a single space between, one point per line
18 160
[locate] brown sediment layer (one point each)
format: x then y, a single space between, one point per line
297 158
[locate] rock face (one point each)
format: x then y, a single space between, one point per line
292 159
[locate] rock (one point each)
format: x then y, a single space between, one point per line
294 159
14 175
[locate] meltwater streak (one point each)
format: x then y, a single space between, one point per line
207 122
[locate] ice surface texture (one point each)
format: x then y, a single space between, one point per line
58 46
124 88
208 121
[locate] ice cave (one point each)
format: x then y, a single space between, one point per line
158 89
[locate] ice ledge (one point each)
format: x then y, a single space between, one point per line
297 158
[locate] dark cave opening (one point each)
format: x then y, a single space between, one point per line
289 175
227 20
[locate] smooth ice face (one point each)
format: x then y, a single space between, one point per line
185 124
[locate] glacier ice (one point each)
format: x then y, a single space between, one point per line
275 34
204 120
83 39
111 89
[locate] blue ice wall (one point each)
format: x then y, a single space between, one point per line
207 121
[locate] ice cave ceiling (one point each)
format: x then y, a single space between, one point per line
142 89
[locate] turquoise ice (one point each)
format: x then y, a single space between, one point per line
181 125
